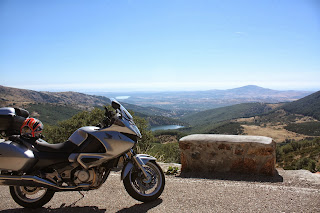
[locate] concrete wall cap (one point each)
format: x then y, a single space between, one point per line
226 138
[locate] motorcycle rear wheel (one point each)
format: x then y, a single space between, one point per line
31 197
145 190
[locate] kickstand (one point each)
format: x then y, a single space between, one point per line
81 194
72 204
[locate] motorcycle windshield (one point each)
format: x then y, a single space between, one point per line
127 116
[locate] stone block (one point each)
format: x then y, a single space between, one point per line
209 153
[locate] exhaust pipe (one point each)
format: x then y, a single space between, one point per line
28 180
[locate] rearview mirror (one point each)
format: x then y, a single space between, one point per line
115 105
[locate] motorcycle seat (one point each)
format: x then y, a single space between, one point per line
65 147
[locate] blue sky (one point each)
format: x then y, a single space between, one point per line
150 45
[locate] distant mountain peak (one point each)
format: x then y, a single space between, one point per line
251 87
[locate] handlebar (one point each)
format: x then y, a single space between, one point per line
109 118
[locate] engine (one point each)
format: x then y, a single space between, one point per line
84 176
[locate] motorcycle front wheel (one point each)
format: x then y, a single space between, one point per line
31 197
145 189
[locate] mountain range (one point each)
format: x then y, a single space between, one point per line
202 100
197 110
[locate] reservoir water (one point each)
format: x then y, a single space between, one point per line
122 97
166 127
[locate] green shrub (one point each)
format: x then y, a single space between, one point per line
303 154
172 170
287 148
168 153
306 163
176 133
230 128
61 132
51 113
307 128
64 129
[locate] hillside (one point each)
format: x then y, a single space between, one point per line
308 106
206 120
51 107
280 125
51 113
19 97
297 120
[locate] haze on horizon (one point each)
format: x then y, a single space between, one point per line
180 45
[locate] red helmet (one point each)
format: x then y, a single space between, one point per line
31 127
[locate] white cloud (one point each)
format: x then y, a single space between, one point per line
240 33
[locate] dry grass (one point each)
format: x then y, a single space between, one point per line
277 133
164 139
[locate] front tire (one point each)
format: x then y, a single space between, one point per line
31 197
145 190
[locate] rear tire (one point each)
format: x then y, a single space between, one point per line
145 190
31 197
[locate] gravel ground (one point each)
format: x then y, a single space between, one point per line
290 191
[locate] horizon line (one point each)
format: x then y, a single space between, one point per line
129 90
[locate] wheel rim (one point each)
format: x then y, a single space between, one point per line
146 187
30 194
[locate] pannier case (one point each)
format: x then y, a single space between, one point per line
11 119
15 157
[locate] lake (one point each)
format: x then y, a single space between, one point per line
166 127
122 97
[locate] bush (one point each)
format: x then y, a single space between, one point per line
287 148
228 128
168 153
61 132
303 154
306 163
176 133
307 128
172 170
144 144
64 129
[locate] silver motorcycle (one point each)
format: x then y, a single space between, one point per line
34 169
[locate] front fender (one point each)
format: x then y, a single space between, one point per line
141 158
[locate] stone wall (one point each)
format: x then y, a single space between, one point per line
209 153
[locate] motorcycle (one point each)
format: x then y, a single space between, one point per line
34 169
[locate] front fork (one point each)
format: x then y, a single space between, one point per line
138 160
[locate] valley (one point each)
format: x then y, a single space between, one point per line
274 125
292 121
247 109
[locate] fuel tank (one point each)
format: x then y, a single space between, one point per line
15 157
